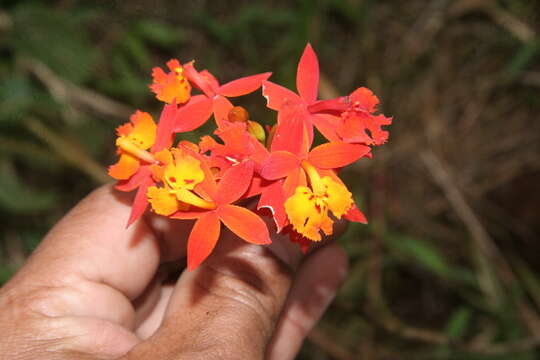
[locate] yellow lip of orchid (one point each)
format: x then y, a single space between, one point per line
307 209
180 177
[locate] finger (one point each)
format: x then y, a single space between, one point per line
314 287
95 264
228 306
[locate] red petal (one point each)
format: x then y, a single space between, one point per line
214 83
243 85
203 239
273 198
276 95
327 125
198 80
193 115
337 154
221 107
289 132
278 165
140 202
307 76
164 137
296 178
355 215
257 186
365 99
135 181
245 224
234 183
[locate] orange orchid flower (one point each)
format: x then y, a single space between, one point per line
138 142
134 139
190 192
171 86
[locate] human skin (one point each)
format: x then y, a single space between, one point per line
95 290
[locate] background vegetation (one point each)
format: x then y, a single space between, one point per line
448 267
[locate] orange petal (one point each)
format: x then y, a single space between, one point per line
126 166
234 183
307 76
203 239
144 130
245 224
337 154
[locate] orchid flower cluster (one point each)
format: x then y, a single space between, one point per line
294 183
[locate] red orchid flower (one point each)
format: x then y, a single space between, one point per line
306 207
214 98
353 118
307 84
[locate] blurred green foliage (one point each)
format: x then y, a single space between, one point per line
72 70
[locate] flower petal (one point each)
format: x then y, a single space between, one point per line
140 202
203 239
290 128
234 183
307 76
257 186
135 181
278 165
162 201
126 166
190 214
364 99
243 85
203 83
193 115
245 224
221 107
143 133
355 215
273 198
327 125
164 137
296 178
337 154
277 95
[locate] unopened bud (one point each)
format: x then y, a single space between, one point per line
238 114
256 130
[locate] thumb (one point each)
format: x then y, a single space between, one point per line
228 307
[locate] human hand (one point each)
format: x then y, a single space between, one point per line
94 290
